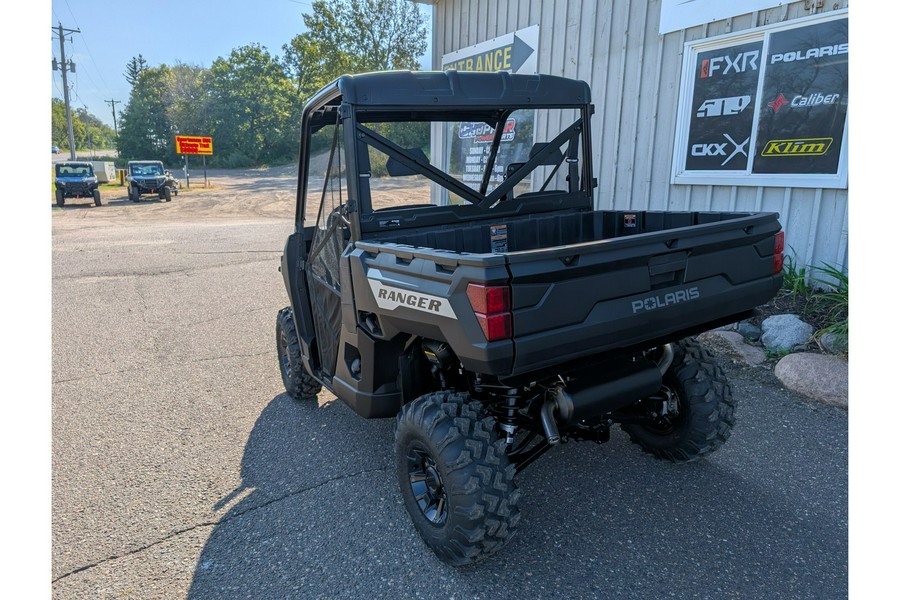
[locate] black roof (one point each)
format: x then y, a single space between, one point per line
434 89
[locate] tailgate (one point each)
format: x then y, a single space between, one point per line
582 299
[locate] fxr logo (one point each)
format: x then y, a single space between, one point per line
719 149
742 62
723 107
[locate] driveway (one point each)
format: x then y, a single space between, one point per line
180 469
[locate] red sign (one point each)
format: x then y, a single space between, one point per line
192 144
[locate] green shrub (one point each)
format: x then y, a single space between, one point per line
832 298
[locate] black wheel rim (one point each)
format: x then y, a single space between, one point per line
283 359
427 485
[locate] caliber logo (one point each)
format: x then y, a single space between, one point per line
653 302
720 149
724 65
778 102
801 147
814 99
834 50
723 107
391 298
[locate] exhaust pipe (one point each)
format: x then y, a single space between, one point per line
621 383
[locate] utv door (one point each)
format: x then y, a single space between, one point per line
327 194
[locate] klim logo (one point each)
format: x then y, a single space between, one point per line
723 107
725 65
801 147
835 50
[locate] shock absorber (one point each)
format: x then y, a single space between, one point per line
512 403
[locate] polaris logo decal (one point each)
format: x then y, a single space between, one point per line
653 302
391 298
822 52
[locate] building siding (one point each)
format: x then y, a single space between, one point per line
635 74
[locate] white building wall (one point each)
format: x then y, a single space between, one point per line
634 74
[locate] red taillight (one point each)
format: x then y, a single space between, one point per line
495 327
491 304
488 299
778 262
778 265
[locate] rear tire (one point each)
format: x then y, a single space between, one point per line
97 198
297 382
60 198
705 408
457 483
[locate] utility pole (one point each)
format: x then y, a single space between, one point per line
65 67
115 127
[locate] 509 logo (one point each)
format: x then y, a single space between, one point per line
723 107
714 149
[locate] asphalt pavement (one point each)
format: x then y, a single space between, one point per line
181 470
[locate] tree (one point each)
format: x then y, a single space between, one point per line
134 68
353 36
146 130
189 110
252 106
85 127
95 133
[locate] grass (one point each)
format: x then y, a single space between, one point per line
832 298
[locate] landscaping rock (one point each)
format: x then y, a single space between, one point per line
784 333
732 345
833 344
821 377
749 331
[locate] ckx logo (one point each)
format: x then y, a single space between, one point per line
723 107
721 149
744 61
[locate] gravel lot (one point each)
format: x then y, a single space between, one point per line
181 470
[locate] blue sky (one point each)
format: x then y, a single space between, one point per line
194 32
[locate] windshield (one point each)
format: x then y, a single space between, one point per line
479 161
147 170
64 170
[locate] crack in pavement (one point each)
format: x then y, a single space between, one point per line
227 518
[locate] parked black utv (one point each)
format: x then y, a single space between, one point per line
76 180
449 269
150 177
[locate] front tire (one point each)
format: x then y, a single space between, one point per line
167 194
455 478
60 198
297 382
697 386
96 195
134 194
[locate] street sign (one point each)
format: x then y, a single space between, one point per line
193 144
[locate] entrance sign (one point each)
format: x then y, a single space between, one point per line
515 52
